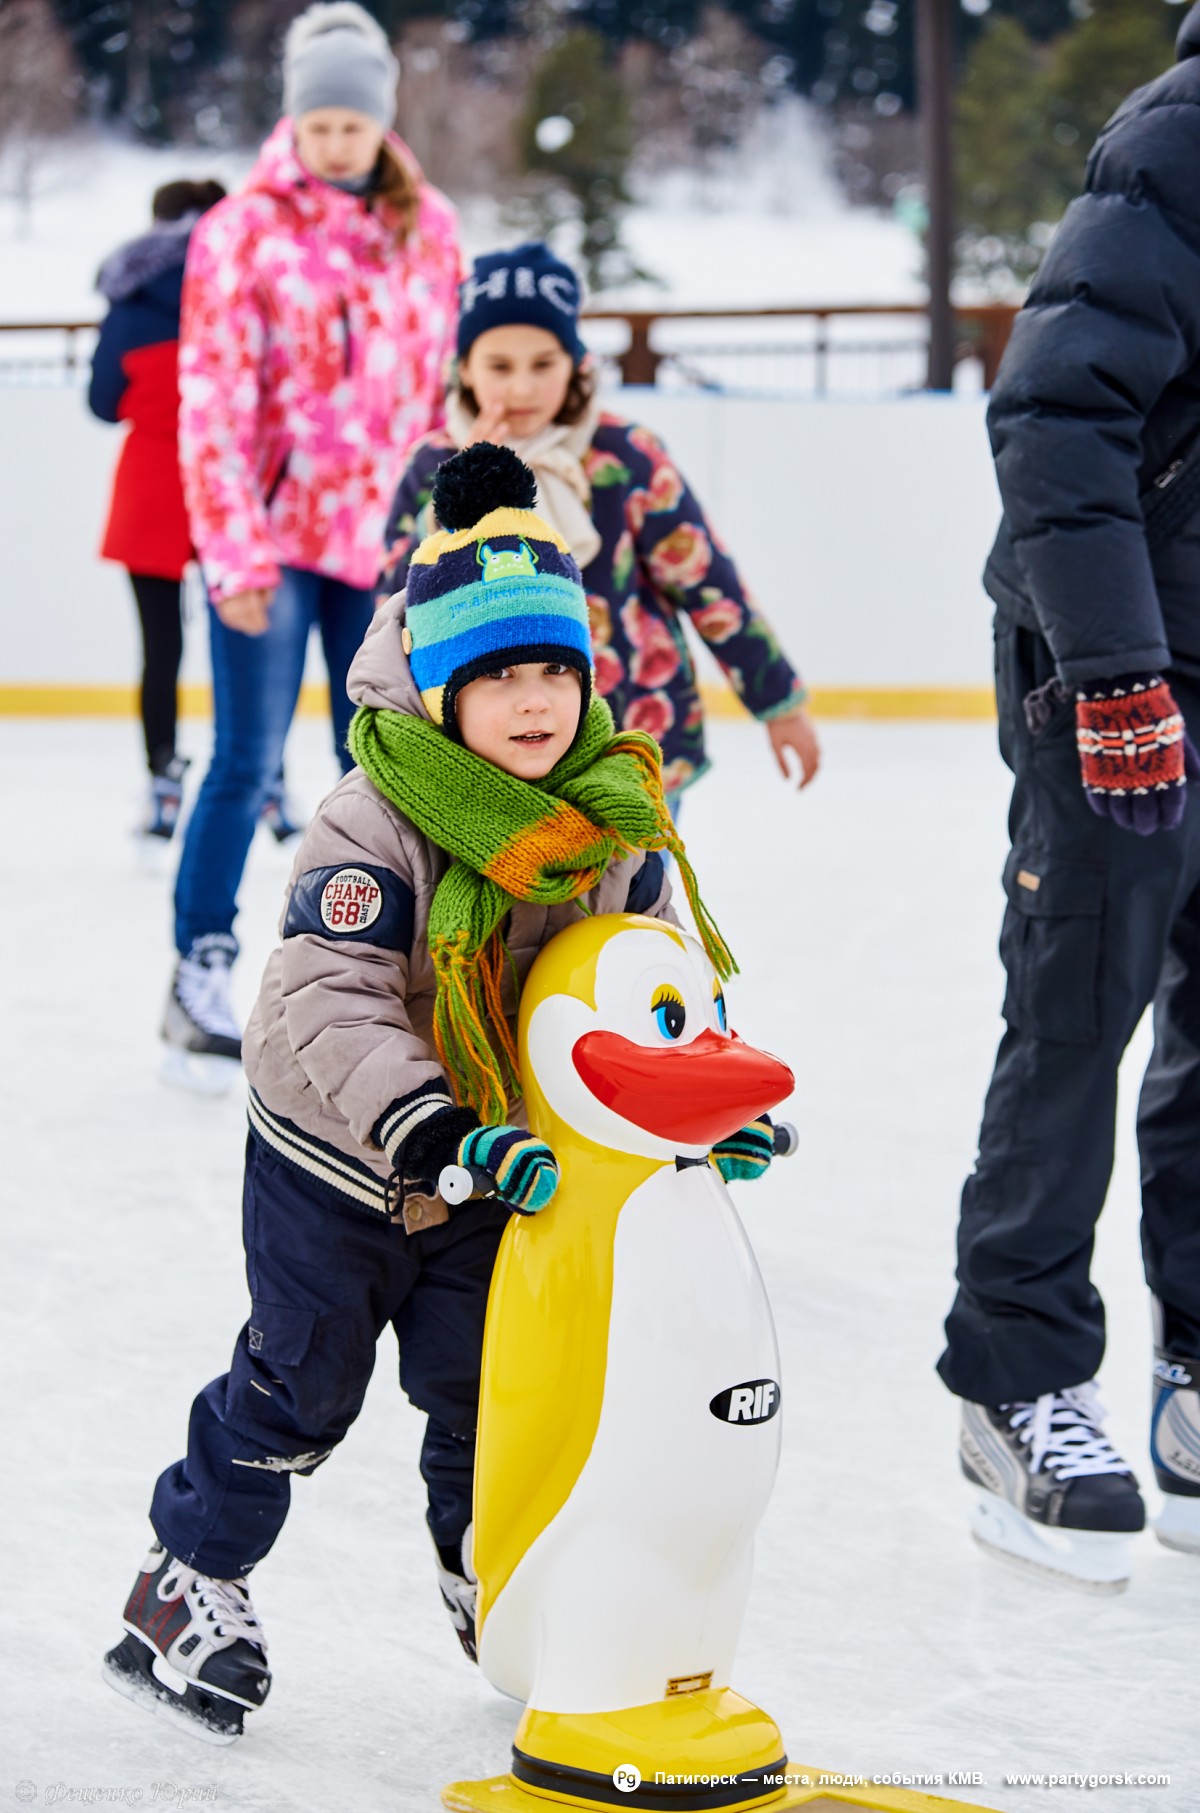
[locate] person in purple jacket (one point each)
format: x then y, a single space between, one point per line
135 380
648 554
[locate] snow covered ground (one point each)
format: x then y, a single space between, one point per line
865 914
768 226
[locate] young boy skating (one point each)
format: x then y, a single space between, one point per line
492 805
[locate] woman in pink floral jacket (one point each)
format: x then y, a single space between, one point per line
319 309
648 554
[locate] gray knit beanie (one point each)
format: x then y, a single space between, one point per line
338 56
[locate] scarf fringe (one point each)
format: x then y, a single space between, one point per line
646 754
468 1004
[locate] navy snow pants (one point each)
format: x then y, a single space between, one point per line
325 1280
1099 924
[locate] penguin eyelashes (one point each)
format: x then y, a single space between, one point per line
670 1015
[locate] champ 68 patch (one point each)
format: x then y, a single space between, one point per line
366 902
351 900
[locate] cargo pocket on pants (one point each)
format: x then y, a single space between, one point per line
279 1336
1051 945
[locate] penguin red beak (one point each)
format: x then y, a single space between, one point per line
688 1095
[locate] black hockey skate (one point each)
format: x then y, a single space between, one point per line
193 1649
460 1590
203 1041
1055 1497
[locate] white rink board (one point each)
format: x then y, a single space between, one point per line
861 527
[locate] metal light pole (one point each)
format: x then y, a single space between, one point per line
935 53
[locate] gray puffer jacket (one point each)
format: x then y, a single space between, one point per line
339 1051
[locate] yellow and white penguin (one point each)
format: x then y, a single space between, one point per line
629 1415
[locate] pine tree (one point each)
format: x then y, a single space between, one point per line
39 100
145 57
1029 113
577 131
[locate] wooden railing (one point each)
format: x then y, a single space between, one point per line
70 331
983 332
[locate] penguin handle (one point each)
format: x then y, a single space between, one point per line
787 1140
464 1183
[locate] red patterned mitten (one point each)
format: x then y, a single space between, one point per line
1135 754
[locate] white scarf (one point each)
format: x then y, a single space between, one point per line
555 455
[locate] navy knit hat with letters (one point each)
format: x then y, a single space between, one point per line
526 287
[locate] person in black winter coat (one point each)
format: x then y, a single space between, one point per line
1095 574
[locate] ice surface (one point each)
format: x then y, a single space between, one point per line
865 915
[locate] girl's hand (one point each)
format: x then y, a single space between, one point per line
490 425
795 732
249 612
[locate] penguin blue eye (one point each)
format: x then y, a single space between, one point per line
669 1013
719 1004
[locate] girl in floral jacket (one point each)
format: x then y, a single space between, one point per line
318 314
648 554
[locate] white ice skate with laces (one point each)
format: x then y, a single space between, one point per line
203 1040
1053 1495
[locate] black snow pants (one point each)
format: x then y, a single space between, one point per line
1099 924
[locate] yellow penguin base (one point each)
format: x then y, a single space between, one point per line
570 1760
504 1794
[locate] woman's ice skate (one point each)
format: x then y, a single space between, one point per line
203 1040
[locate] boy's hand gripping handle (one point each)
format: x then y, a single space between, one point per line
470 1183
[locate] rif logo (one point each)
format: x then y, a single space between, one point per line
757 1401
351 901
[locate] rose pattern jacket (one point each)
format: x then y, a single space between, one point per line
659 561
312 355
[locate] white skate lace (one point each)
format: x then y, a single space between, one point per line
229 1603
1063 1431
203 990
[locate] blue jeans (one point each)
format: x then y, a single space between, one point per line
256 683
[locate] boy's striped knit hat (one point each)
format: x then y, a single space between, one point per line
494 587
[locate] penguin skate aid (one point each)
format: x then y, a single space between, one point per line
612 1613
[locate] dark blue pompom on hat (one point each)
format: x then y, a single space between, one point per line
525 287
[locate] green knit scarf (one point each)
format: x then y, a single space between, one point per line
547 841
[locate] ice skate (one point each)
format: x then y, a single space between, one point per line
193 1649
1054 1495
1175 1449
204 1043
166 801
281 817
156 833
460 1590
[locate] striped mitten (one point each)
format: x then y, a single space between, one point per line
525 1170
1134 751
746 1155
